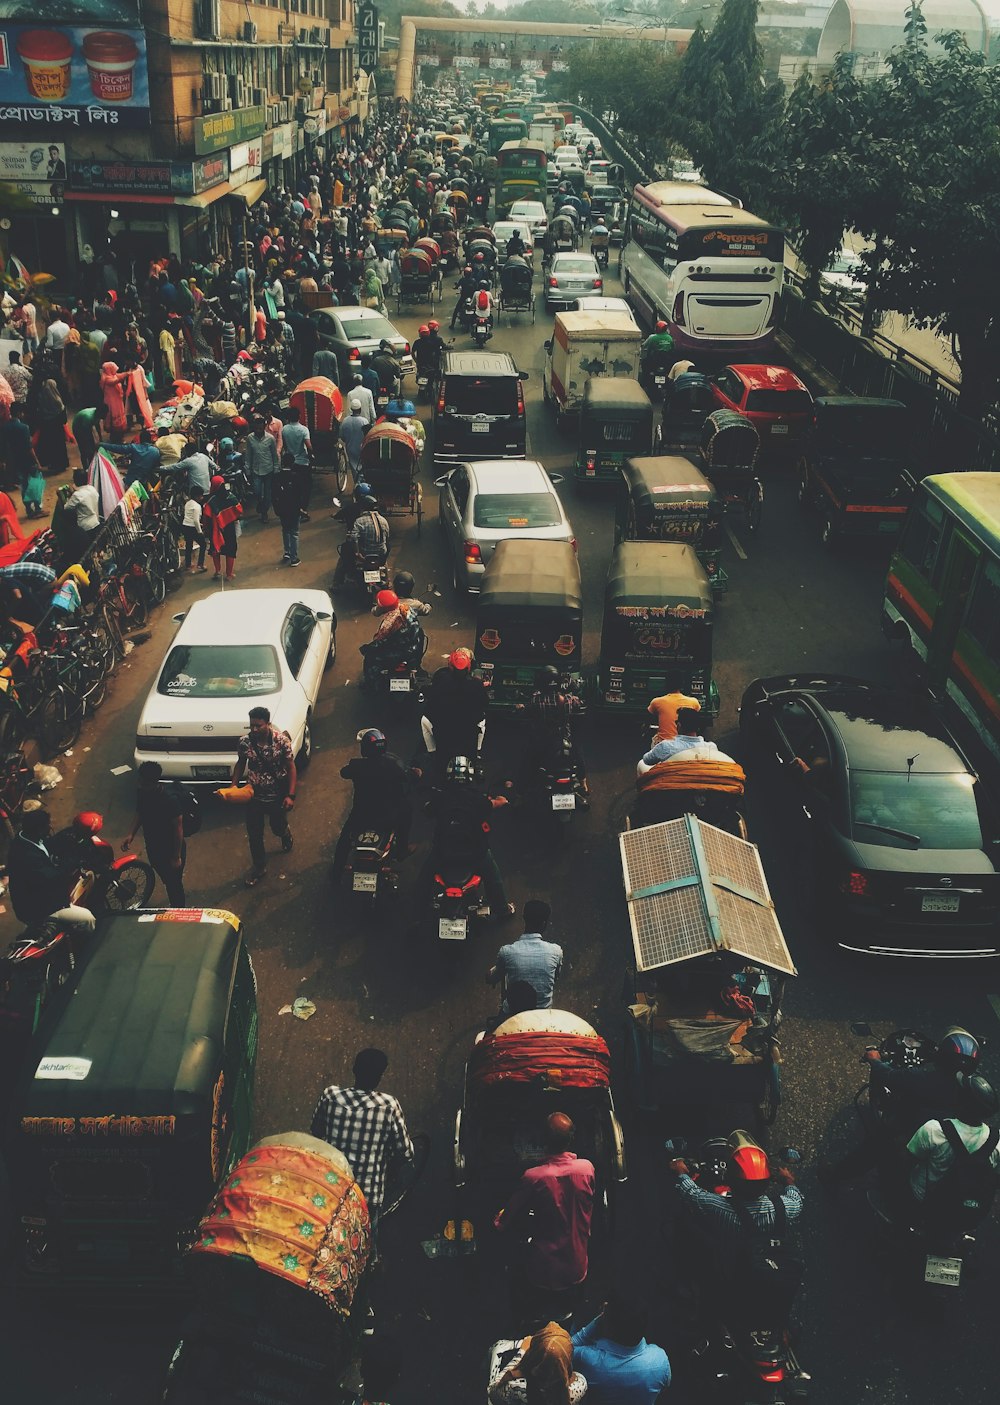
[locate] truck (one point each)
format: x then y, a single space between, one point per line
545 133
583 345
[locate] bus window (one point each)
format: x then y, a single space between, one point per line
983 619
921 537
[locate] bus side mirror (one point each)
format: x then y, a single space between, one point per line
548 344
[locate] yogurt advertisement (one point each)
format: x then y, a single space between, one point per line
64 76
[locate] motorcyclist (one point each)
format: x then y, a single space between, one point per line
367 538
551 709
389 371
466 285
382 785
462 817
515 245
425 353
934 1149
599 237
39 880
437 342
351 510
454 720
657 349
403 584
399 637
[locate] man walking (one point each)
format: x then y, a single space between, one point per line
367 1126
530 959
295 440
261 457
158 813
265 759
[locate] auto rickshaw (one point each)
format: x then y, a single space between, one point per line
321 405
687 403
135 1100
710 968
729 448
616 420
666 499
529 614
389 462
534 1064
658 616
515 286
275 1269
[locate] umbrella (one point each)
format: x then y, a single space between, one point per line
104 476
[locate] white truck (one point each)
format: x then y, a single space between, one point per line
583 345
543 132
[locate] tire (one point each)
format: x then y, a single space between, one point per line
137 598
102 642
767 1108
156 583
112 624
94 679
305 750
60 718
130 887
341 469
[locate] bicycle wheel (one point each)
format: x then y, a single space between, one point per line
136 596
93 677
101 640
170 550
112 623
12 727
399 1185
341 468
58 722
130 886
156 581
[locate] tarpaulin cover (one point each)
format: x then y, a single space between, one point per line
727 777
294 1215
319 402
572 1060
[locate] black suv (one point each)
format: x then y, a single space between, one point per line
480 408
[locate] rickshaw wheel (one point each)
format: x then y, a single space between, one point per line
767 1108
341 469
130 887
532 311
754 505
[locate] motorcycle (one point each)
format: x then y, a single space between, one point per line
758 1362
400 677
481 324
370 572
104 882
654 375
458 897
369 868
424 387
560 779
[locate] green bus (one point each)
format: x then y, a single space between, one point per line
520 174
942 595
504 129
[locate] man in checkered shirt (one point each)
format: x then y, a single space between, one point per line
367 1126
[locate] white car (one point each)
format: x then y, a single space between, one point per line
598 304
236 650
532 213
504 231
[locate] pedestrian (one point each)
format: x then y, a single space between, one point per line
353 429
620 1366
160 816
547 1222
39 888
261 458
296 441
221 513
265 759
194 536
83 510
50 419
367 1126
285 500
18 377
19 454
530 959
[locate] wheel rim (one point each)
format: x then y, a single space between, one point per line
130 887
827 532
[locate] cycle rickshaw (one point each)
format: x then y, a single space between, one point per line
515 287
389 462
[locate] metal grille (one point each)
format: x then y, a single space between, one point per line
658 853
752 931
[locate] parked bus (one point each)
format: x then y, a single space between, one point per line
698 261
504 129
520 174
942 595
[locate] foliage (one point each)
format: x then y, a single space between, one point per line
554 12
390 11
629 83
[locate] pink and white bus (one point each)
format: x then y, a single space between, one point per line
695 259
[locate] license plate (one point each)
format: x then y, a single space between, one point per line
945 1272
211 773
372 577
940 902
365 883
659 380
480 428
399 685
564 802
453 929
779 429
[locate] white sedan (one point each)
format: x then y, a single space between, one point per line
236 650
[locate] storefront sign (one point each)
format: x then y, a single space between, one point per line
148 177
224 129
283 140
65 76
428 61
464 61
245 161
267 146
367 37
209 171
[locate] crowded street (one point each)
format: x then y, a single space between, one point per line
378 977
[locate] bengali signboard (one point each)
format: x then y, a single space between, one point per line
64 76
499 62
429 61
367 37
148 177
559 66
464 61
224 129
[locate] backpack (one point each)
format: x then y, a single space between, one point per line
965 1193
769 1273
190 808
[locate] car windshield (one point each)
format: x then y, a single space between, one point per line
365 328
779 402
503 510
480 395
219 670
529 211
917 811
571 265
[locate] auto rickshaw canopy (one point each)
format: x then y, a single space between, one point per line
553 1046
655 576
524 573
319 402
608 396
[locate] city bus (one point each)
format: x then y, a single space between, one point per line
942 595
698 261
520 174
491 100
504 129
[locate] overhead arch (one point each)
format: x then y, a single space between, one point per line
876 26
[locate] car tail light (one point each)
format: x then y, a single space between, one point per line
472 553
598 282
553 282
855 884
441 401
591 463
770 1371
355 354
520 399
406 348
678 312
572 542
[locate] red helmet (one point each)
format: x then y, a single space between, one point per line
661 326
483 300
424 331
88 822
479 258
387 600
748 1167
432 325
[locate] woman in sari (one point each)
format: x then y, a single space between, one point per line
222 512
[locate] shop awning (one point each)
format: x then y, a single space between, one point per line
120 198
249 194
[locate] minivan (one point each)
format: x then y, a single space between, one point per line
480 408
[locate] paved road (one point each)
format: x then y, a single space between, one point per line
791 605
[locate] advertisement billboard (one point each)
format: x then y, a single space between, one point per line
367 37
67 75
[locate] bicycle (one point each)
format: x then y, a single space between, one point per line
44 704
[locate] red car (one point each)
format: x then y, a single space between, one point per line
772 396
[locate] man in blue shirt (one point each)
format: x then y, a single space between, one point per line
531 958
620 1366
688 738
199 470
143 459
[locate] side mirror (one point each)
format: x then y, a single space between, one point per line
556 477
324 615
441 482
547 344
177 618
525 375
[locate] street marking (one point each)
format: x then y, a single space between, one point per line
994 1001
743 557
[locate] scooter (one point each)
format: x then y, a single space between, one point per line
400 678
481 327
457 899
369 868
561 782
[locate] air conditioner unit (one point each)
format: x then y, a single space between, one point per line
209 19
209 105
314 35
226 105
303 36
317 77
219 86
249 32
285 110
258 97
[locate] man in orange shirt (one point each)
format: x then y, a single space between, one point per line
665 710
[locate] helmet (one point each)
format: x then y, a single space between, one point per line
460 660
479 258
459 769
432 325
958 1051
387 600
547 677
88 822
402 583
977 1098
467 268
424 331
406 408
749 1169
369 503
385 345
225 444
362 491
372 741
661 326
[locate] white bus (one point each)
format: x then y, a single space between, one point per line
698 261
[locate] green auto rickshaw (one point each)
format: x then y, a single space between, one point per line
664 498
616 420
657 630
529 614
135 1100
